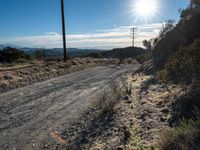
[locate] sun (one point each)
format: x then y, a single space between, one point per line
145 9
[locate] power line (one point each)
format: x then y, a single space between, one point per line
92 12
104 10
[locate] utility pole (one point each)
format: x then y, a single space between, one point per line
63 30
133 36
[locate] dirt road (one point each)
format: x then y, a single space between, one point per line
29 114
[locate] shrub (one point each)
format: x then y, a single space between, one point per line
186 106
144 57
183 66
185 134
9 55
184 137
193 7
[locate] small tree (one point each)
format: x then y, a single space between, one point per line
9 55
169 25
148 44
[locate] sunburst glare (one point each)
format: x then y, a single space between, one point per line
145 9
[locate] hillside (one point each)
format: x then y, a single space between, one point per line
58 52
183 34
128 52
55 52
176 69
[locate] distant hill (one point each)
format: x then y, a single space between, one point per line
57 52
128 52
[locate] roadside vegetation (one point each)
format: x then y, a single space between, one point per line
181 67
11 55
176 63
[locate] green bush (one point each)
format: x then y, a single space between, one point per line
144 57
183 66
184 137
185 123
186 106
9 55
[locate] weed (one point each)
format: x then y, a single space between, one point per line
186 136
108 98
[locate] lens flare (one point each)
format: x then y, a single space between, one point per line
145 9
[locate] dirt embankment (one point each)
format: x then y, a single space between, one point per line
22 75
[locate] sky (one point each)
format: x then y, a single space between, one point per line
89 23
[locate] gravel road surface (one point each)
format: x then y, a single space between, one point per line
29 114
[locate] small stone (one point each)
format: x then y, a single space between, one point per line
46 146
120 148
115 130
143 102
165 110
163 119
127 135
131 120
129 102
126 98
7 77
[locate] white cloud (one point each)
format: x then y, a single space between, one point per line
110 38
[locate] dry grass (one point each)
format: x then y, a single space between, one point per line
108 98
183 137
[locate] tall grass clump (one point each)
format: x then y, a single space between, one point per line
186 136
108 98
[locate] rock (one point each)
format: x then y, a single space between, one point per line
126 98
165 111
120 148
163 119
131 120
143 102
160 103
131 124
129 101
127 135
132 107
7 77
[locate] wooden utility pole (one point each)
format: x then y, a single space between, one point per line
133 36
63 30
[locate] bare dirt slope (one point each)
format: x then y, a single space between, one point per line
28 115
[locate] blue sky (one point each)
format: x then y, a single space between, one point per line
90 23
